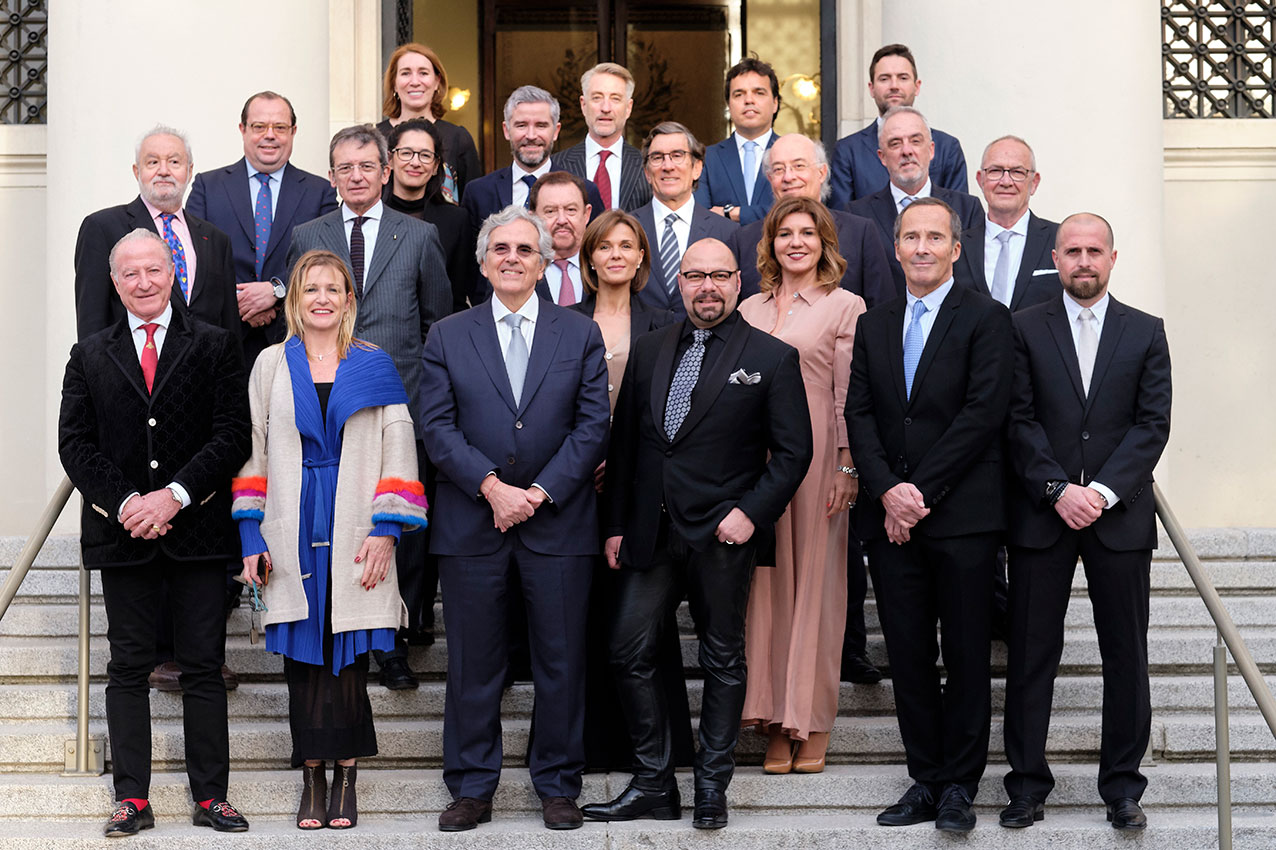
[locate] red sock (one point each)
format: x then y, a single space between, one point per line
138 803
204 804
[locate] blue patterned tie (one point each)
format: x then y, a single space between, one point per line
750 166
913 344
262 217
516 355
530 181
179 255
678 404
670 259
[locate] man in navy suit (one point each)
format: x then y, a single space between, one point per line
733 184
604 157
857 173
516 420
673 219
256 202
906 148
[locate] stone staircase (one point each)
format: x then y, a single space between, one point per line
401 791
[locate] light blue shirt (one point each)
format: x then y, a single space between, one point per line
761 142
932 300
276 183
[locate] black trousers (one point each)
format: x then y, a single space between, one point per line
716 582
946 580
1040 587
855 638
195 596
416 569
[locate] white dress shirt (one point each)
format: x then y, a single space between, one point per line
521 189
371 225
1100 311
554 278
992 250
254 187
899 194
681 227
761 142
592 149
932 300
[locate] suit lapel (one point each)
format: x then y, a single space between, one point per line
1057 321
240 198
735 172
972 253
630 172
544 343
943 321
710 384
1113 327
895 347
505 186
488 346
1034 246
761 185
177 341
291 188
389 235
335 236
662 374
203 262
123 353
883 206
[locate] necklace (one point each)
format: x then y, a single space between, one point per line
320 357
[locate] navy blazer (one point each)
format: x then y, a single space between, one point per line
493 192
1037 280
868 271
555 436
722 181
704 225
880 207
856 171
634 188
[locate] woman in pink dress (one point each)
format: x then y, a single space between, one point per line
797 610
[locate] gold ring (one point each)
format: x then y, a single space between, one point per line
155 528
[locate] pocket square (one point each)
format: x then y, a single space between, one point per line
739 376
1039 272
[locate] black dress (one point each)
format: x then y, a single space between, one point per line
456 234
459 152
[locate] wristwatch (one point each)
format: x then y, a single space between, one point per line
726 210
173 493
849 470
277 286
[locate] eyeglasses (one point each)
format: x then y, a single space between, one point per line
995 172
799 167
695 278
257 128
406 155
657 159
367 169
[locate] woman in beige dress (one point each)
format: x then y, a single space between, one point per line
797 610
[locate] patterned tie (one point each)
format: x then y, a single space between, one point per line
1001 274
913 344
670 258
516 355
356 255
905 201
750 168
1087 346
529 181
179 255
603 180
566 292
150 355
262 217
678 405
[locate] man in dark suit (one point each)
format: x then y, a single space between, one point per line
857 171
930 386
733 184
257 201
402 288
604 157
516 421
906 149
531 125
1089 419
560 200
204 280
710 440
673 219
1007 253
154 423
797 165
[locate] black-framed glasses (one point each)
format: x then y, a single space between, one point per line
1017 174
696 278
406 155
657 159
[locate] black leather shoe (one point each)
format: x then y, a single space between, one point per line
711 809
956 812
634 803
221 816
1022 812
858 669
1126 813
916 806
397 676
127 820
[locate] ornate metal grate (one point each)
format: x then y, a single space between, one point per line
402 22
1219 58
24 61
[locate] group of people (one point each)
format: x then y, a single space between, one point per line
586 386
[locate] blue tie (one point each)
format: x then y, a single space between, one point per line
530 181
262 217
913 344
179 255
750 165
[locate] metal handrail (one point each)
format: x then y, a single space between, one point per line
35 543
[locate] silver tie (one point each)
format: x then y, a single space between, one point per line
516 355
1087 346
1001 274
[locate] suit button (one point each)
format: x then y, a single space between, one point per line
519 424
151 422
1085 435
607 355
510 460
668 452
155 464
908 420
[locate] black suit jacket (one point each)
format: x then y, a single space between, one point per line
97 306
719 459
641 317
946 438
880 207
193 428
1037 280
634 188
1114 436
868 271
704 225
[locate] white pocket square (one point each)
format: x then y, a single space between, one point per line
1039 272
739 376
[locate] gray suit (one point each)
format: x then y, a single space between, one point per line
406 287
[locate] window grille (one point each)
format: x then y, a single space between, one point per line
1218 58
24 61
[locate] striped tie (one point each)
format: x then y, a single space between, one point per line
670 258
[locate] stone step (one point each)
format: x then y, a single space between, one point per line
37 746
1062 830
850 788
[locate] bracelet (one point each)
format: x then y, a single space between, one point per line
1054 491
849 470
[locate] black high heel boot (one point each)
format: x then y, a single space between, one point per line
314 792
344 802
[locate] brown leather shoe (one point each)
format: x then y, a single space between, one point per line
561 813
810 753
465 813
164 677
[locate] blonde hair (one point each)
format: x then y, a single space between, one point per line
831 267
390 106
296 283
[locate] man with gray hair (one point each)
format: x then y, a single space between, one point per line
906 148
604 157
402 288
516 419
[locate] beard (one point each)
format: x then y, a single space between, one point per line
1084 290
531 156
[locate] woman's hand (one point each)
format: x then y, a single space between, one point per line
249 573
845 489
377 556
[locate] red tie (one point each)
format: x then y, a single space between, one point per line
566 293
603 180
149 355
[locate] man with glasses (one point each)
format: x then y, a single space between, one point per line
673 162
256 202
402 288
695 483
